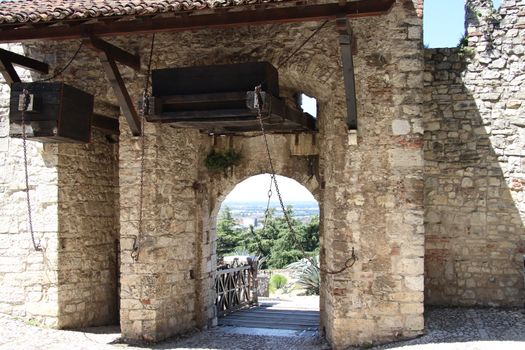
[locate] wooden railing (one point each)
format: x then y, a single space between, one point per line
236 288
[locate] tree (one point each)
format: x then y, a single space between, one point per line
289 245
310 237
275 241
228 236
281 246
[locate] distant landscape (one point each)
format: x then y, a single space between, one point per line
248 213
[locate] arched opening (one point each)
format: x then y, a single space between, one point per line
281 248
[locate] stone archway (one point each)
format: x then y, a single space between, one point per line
215 188
371 192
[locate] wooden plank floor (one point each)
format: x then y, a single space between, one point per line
265 316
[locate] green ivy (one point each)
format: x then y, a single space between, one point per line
464 51
222 161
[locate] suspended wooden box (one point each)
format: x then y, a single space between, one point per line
55 112
220 99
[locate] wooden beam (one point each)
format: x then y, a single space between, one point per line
108 55
303 119
345 45
8 71
277 114
107 124
242 16
116 53
124 100
204 98
24 61
203 115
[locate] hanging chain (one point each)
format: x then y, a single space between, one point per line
27 100
143 111
352 259
66 66
298 48
25 106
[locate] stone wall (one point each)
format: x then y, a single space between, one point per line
370 193
88 233
475 162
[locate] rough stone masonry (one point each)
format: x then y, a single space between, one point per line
439 157
475 162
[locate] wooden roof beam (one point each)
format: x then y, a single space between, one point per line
346 40
8 72
7 61
23 61
108 55
116 53
191 21
106 124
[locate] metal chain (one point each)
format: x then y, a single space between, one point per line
27 100
352 259
66 66
142 114
267 211
298 48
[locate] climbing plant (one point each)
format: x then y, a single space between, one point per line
222 161
464 51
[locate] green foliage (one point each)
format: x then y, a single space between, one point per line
274 242
309 276
228 236
464 51
463 42
222 161
277 282
33 322
278 244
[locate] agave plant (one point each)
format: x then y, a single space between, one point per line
308 274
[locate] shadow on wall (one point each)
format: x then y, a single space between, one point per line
475 236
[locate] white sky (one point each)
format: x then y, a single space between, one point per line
255 189
309 105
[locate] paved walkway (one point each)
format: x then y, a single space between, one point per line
447 329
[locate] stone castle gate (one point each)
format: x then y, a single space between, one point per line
381 191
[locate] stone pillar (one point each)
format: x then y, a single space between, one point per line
373 196
158 292
28 278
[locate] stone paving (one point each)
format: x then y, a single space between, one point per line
447 329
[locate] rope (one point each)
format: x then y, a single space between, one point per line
143 111
352 259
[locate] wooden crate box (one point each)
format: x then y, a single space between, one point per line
57 113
